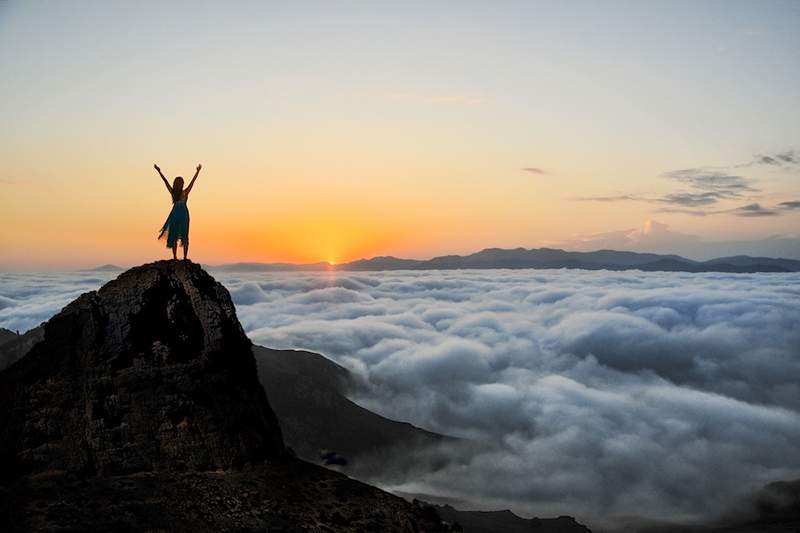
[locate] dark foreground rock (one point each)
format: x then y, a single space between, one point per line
507 522
284 497
141 409
153 371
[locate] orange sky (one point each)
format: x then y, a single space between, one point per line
333 134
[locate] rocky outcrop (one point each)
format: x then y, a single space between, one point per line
151 372
282 497
141 409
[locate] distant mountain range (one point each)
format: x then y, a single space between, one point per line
544 258
106 268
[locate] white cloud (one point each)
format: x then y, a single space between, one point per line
27 300
598 394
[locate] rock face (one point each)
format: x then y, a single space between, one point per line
141 410
151 372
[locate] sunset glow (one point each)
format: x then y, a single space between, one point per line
330 135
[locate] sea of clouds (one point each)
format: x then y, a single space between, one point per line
597 394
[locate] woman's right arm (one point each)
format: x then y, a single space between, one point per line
163 178
191 183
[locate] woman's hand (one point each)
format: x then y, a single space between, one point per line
199 166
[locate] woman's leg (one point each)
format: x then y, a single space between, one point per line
175 251
185 250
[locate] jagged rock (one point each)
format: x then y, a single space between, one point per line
141 409
285 497
153 371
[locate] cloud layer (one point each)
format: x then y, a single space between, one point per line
598 394
27 300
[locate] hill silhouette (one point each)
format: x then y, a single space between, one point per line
13 345
507 522
309 395
543 258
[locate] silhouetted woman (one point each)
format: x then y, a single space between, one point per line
176 228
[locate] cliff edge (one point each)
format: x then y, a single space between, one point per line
141 409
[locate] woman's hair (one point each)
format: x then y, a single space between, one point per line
177 188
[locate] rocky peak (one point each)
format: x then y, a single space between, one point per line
152 372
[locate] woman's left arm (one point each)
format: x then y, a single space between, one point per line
191 183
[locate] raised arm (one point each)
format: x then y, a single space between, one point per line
163 178
191 183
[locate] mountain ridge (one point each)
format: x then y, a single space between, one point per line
541 258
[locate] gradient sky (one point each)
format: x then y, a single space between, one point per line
336 130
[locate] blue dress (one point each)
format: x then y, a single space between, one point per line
176 227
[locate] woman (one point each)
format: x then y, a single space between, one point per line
176 228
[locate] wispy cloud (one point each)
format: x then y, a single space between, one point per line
534 170
690 199
685 202
613 198
750 210
711 186
776 159
754 210
685 199
712 180
692 212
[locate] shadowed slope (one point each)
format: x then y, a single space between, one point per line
14 346
307 392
